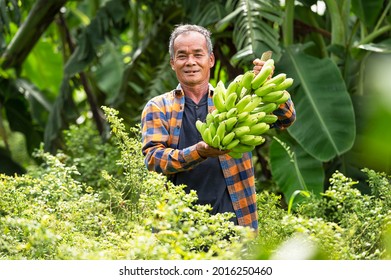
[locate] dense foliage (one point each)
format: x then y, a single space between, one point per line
73 184
61 60
96 200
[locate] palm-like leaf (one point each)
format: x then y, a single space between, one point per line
205 15
254 28
109 19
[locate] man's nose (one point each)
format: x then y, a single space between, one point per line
190 59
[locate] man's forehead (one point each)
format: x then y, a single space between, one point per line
186 49
185 42
191 36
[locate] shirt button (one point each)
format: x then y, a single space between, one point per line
196 107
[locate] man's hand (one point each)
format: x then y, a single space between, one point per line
206 151
258 64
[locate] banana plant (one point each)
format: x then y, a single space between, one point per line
327 86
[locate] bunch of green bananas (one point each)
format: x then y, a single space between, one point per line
244 110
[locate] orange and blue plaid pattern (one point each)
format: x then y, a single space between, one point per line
161 122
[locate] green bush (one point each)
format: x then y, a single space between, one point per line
133 214
96 200
342 223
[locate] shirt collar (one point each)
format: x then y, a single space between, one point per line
179 92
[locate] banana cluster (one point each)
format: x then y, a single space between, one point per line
244 110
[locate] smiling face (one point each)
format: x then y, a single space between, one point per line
191 61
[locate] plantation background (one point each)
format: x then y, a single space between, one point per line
75 76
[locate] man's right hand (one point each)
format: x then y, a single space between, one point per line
205 151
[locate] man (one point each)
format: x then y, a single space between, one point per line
173 146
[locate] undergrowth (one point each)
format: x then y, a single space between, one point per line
96 200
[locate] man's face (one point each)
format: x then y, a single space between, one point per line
192 61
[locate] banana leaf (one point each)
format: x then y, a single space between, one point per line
325 124
293 168
367 11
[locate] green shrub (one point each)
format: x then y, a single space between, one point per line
96 200
90 154
363 218
278 227
133 214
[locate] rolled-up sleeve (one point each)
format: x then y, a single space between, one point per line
160 154
286 114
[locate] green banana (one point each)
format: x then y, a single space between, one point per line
216 141
218 97
231 113
227 139
269 62
220 117
273 96
207 137
267 108
243 110
245 92
238 78
230 123
258 140
252 140
239 88
232 86
199 125
220 131
240 131
242 148
232 144
285 84
212 128
242 103
231 101
284 98
214 112
210 117
265 89
278 79
246 139
255 101
269 118
258 115
249 121
242 116
261 77
247 79
259 128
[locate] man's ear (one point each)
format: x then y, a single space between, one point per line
172 64
212 60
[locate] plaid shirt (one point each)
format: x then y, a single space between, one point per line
161 122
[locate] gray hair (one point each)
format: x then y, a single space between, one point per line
184 28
